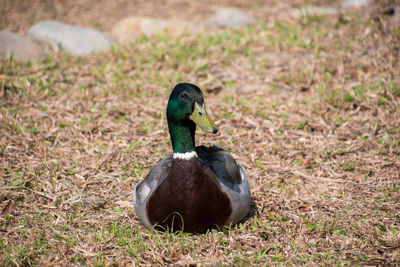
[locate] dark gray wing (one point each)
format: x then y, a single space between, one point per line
145 188
222 164
159 171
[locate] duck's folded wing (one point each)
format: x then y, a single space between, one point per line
222 163
231 177
145 188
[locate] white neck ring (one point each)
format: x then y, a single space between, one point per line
185 156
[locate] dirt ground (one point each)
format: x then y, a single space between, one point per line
310 106
20 15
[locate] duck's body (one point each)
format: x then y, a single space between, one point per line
196 188
193 189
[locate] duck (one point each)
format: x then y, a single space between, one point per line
194 189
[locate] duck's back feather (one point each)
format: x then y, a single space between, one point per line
221 162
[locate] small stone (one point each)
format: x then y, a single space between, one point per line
249 88
76 40
395 19
42 114
312 11
229 17
19 47
128 29
355 3
8 209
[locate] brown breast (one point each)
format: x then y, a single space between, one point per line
190 195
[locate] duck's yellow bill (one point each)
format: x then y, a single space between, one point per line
200 117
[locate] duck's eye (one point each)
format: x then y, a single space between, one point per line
182 95
200 113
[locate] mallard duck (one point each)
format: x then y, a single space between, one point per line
196 188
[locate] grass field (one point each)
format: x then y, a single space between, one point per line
309 106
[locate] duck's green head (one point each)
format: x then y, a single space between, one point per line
186 109
185 103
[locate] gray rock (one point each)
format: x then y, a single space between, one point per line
355 3
229 17
19 47
76 40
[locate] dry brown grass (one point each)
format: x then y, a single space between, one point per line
310 107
